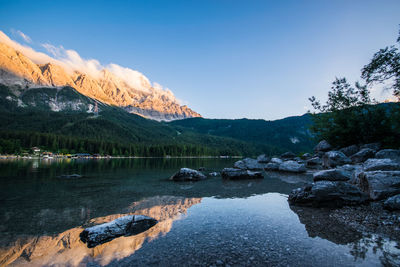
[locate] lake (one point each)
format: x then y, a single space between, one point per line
207 223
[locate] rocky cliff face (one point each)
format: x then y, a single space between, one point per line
147 101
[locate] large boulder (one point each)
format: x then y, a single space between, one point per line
381 165
363 155
392 203
292 166
349 150
332 175
322 146
379 184
288 155
249 164
263 159
393 154
272 166
186 174
327 194
331 159
123 226
238 174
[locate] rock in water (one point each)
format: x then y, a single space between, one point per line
237 174
292 166
263 159
381 165
186 174
392 203
363 155
249 164
332 175
124 226
327 194
379 184
276 160
393 154
272 166
322 146
332 159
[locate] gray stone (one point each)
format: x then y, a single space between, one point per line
238 174
123 226
363 155
276 160
393 154
292 166
381 165
214 174
379 184
306 156
392 203
272 166
186 174
327 194
373 146
263 159
349 150
332 159
332 175
322 146
249 164
313 162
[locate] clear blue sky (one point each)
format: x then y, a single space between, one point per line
225 59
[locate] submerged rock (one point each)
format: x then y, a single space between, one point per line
332 159
381 165
379 184
123 226
186 174
393 154
327 194
349 150
392 203
249 164
332 175
292 166
363 155
238 174
322 146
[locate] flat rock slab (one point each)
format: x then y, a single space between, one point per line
123 226
186 174
238 174
327 194
332 175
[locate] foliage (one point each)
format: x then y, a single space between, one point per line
385 67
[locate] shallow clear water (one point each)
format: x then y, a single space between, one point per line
211 222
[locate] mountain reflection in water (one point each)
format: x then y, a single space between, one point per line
67 249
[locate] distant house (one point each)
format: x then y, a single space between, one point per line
35 150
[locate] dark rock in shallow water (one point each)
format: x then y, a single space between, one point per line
363 155
349 150
186 174
124 226
322 146
214 174
237 174
288 155
379 184
381 165
272 166
292 166
327 194
392 203
393 154
332 175
249 164
332 159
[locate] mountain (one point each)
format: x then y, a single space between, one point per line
140 98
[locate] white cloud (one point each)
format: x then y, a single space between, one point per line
71 61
